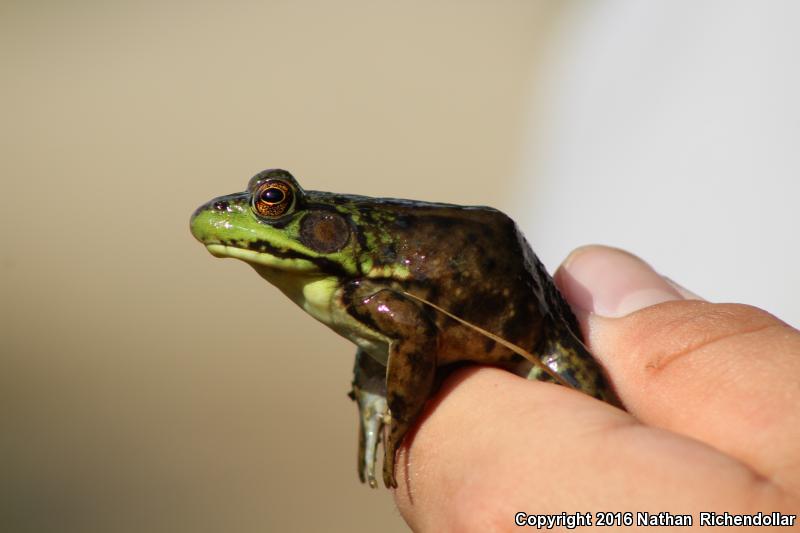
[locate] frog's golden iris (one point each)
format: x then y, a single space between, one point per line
273 199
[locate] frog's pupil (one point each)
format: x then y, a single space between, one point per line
272 195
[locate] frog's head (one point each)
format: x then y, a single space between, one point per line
275 227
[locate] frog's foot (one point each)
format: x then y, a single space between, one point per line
373 413
566 355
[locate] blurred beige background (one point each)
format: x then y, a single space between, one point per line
146 386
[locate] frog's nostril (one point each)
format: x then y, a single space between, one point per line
220 205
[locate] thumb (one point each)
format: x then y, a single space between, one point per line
725 374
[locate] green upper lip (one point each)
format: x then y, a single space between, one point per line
212 219
228 227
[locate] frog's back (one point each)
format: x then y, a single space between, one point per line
471 261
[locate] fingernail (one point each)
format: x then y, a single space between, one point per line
611 282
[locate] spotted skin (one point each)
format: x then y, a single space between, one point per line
351 261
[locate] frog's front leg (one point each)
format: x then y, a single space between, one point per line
369 392
411 365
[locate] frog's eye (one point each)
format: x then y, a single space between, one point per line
273 198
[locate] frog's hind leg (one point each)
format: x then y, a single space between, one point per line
369 393
557 358
564 353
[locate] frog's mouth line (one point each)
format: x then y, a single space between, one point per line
293 264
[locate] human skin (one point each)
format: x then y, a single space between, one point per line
712 423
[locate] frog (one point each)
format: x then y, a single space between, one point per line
419 287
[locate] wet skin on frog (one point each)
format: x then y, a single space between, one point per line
366 268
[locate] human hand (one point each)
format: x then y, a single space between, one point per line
713 422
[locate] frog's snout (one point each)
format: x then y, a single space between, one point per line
206 219
201 223
198 223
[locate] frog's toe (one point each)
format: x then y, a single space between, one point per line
388 473
366 462
372 410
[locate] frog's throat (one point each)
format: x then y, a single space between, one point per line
293 264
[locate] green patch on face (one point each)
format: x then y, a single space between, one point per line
237 232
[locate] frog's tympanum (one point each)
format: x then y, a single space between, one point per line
394 277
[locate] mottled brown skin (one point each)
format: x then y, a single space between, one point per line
453 263
470 261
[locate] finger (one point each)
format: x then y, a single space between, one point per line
493 444
726 374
